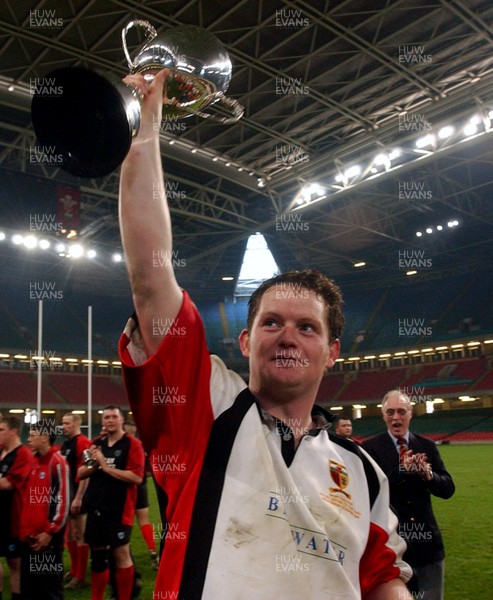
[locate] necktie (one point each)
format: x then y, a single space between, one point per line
402 448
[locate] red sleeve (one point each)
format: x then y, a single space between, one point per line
169 393
378 561
136 458
82 444
21 467
60 475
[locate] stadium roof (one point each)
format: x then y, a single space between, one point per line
326 86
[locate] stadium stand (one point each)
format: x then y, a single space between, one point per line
371 326
466 426
444 378
19 389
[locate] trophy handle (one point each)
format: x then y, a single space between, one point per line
151 33
228 105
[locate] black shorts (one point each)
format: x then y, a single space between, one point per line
42 573
101 532
10 548
142 497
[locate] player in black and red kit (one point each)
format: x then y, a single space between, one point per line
110 501
72 448
16 461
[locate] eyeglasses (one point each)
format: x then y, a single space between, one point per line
400 411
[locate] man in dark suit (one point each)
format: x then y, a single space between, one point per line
416 472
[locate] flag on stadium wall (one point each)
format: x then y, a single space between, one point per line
68 207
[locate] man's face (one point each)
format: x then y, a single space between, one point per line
397 414
288 345
69 426
344 428
6 434
113 421
35 440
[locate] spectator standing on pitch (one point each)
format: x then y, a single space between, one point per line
45 509
343 426
416 472
72 448
258 499
117 470
16 462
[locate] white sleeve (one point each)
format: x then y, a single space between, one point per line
225 386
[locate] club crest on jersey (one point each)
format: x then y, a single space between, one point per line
340 477
337 496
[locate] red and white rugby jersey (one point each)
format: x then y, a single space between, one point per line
237 521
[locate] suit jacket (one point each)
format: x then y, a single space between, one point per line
410 495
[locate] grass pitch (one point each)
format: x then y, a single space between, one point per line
466 522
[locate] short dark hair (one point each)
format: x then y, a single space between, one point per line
309 279
113 407
46 427
340 418
12 422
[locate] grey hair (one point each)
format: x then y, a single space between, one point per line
400 393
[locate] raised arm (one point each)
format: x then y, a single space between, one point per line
145 222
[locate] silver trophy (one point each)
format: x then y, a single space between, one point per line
89 124
200 70
87 458
89 462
